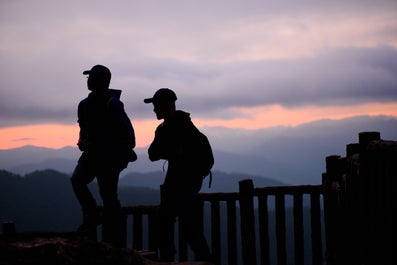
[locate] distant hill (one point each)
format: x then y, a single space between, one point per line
44 200
295 155
291 155
27 159
221 181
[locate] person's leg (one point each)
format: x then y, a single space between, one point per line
83 174
191 225
108 180
166 233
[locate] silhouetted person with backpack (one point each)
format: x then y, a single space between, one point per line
106 140
172 141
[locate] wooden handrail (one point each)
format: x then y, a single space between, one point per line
241 202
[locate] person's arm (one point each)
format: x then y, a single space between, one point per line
167 143
157 147
83 134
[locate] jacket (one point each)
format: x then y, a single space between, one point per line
171 143
106 132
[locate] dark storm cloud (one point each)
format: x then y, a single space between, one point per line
347 76
18 116
218 55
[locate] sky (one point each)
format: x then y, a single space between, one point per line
235 64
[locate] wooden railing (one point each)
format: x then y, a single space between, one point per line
239 230
144 219
361 202
297 193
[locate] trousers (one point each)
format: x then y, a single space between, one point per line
188 212
107 175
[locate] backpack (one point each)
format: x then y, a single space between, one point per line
203 155
115 95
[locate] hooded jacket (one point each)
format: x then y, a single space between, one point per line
171 143
106 132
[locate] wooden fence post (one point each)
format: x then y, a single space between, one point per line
361 198
331 213
378 172
9 228
346 188
247 222
364 138
350 248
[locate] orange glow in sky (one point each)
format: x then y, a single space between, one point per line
58 136
276 115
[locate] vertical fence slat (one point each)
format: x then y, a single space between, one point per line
152 231
123 229
281 229
216 231
316 228
137 231
298 229
231 232
264 229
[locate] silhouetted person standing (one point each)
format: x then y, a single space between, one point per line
182 183
106 140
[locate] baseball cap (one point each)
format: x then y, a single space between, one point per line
99 71
162 95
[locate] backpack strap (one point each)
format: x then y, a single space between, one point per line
210 181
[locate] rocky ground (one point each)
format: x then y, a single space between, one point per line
68 249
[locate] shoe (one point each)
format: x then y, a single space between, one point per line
89 225
84 227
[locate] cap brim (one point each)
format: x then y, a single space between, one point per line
148 100
86 72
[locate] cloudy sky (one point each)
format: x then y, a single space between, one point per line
236 64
